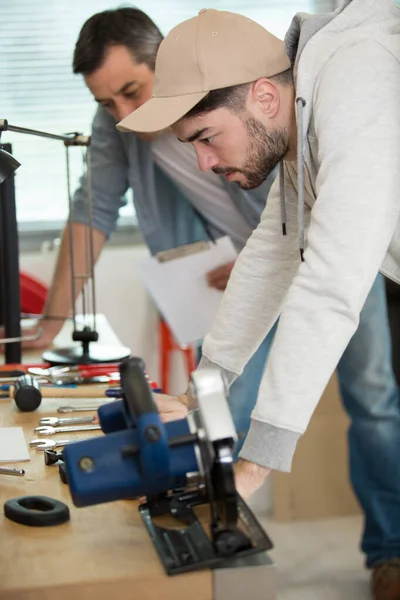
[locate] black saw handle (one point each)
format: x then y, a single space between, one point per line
136 390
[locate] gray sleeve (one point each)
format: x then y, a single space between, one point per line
109 176
265 444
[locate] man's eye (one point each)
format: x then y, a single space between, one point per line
208 140
132 94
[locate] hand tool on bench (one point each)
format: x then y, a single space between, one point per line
176 466
80 408
28 393
12 471
56 421
48 444
97 373
48 430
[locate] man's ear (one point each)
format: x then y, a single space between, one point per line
265 94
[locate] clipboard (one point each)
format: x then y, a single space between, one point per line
176 280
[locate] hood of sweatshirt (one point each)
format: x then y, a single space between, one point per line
299 40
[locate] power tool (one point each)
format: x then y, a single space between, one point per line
176 466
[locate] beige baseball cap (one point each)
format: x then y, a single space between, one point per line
214 50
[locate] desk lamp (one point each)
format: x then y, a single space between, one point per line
89 351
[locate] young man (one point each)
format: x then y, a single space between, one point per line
325 109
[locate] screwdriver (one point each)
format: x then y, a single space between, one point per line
12 471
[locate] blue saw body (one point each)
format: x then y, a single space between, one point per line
117 473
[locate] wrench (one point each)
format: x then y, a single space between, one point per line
47 430
54 421
78 408
51 444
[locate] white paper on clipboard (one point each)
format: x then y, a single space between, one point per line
181 292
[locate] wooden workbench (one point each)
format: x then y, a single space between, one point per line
103 552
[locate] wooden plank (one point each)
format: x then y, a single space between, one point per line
318 485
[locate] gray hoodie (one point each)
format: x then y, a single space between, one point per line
341 203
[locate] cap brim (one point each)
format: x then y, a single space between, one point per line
159 113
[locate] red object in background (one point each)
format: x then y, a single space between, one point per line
167 346
33 298
33 294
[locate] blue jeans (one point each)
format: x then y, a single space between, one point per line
370 396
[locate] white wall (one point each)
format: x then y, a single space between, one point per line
121 296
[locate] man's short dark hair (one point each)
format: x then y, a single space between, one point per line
125 26
234 97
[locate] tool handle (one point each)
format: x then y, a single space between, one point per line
26 393
12 471
81 391
94 371
135 387
75 420
77 408
21 367
73 428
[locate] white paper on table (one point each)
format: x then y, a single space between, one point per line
181 292
13 447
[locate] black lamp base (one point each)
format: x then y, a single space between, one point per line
96 353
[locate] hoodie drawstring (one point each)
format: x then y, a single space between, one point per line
300 103
282 195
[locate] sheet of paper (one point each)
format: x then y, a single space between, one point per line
180 290
13 447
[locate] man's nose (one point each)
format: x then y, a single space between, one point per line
206 159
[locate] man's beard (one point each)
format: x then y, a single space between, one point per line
264 152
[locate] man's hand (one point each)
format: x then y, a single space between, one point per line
171 408
249 477
48 329
218 278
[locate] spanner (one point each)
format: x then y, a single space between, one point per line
55 421
47 430
78 408
51 444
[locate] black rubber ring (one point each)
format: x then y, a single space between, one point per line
36 511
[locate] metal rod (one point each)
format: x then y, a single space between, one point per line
85 289
71 240
12 471
75 138
10 268
90 232
22 338
83 295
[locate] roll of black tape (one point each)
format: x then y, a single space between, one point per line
27 395
36 511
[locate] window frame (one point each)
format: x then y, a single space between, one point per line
35 236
